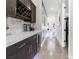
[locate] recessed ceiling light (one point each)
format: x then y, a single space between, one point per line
52 8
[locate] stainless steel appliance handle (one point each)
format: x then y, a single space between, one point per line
22 45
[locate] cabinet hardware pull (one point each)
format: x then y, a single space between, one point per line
22 45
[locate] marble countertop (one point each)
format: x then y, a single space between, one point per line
19 36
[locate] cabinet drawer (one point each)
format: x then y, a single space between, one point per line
22 53
11 50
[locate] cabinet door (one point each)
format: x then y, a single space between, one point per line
22 53
33 18
11 8
11 51
33 47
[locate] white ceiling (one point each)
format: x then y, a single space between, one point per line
52 6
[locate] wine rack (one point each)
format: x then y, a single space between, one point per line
23 11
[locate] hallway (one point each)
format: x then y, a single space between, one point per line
52 50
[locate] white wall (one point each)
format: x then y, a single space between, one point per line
39 20
59 27
70 29
61 34
63 25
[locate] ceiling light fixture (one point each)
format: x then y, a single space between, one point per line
52 8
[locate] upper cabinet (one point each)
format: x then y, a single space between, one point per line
23 9
11 8
33 13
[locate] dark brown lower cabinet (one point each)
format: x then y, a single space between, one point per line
22 53
25 49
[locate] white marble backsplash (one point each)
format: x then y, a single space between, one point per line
15 25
